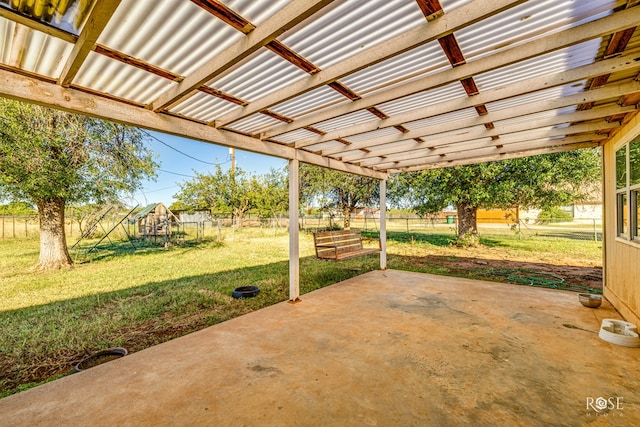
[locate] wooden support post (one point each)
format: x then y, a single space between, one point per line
383 224
294 243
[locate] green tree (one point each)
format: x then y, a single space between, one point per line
337 190
51 157
17 208
179 206
541 181
273 195
223 191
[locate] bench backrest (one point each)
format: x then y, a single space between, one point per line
342 240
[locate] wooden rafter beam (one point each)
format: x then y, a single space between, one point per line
452 50
226 14
134 62
442 143
277 116
515 89
454 54
431 9
481 152
459 18
617 45
293 57
344 91
456 146
51 95
619 42
499 156
315 130
520 53
506 57
590 138
222 95
96 22
292 14
626 89
378 113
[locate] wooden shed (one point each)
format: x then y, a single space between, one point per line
154 220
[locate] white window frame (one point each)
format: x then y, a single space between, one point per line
632 195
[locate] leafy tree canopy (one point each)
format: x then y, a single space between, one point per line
47 154
541 181
17 208
236 192
337 190
273 197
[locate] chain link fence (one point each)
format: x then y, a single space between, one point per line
524 228
214 226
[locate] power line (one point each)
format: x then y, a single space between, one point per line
182 152
160 189
176 173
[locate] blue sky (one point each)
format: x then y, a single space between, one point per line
173 165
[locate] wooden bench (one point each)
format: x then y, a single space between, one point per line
341 244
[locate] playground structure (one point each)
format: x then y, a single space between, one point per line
95 221
153 222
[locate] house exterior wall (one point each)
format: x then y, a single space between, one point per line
592 211
497 216
621 257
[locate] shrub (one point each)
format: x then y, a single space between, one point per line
551 215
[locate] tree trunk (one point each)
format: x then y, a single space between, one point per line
467 224
53 242
346 212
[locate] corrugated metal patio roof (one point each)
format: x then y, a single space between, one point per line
367 86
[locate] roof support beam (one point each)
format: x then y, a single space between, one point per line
48 94
520 147
503 141
292 14
225 13
96 22
438 143
595 95
459 18
497 157
591 30
531 85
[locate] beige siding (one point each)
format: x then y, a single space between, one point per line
622 258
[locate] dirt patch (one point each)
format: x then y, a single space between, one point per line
488 269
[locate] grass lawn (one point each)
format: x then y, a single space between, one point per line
134 299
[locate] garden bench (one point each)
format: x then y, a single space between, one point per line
341 244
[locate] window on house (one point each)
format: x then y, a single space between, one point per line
627 190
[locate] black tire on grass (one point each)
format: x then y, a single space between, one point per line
245 292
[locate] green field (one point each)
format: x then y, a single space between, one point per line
118 296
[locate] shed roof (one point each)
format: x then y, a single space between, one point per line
370 87
144 212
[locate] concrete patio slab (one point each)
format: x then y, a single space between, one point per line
387 348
